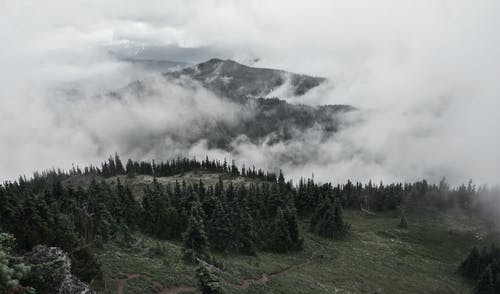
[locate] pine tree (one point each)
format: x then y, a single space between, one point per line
323 220
328 221
281 240
403 224
175 225
220 231
85 264
132 209
234 169
111 166
496 285
281 182
208 281
119 165
10 274
195 238
130 168
471 266
34 223
247 235
293 227
341 226
485 282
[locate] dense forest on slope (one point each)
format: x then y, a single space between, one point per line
262 214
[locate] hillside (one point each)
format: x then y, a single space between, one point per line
254 117
183 224
378 257
231 79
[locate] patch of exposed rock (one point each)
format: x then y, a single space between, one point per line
53 266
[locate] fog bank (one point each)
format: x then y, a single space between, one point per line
423 75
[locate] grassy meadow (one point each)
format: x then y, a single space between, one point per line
377 257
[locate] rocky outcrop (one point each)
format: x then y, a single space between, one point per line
53 266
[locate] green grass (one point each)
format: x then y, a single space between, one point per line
377 257
155 268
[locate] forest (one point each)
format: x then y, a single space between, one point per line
261 215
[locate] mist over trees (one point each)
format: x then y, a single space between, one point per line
483 267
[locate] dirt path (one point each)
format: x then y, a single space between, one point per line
245 284
169 289
121 283
176 289
267 277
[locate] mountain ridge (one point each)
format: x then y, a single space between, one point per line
233 79
262 120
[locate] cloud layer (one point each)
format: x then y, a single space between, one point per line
424 76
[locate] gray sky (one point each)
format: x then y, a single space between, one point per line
424 75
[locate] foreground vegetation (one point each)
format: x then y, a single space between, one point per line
183 225
376 257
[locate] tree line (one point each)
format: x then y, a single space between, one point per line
114 166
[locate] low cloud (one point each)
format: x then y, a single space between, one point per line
423 76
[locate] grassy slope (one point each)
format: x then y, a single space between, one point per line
139 182
376 258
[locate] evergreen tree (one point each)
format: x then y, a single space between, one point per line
323 220
10 273
220 231
208 281
130 168
293 227
119 165
132 209
234 170
328 220
85 265
247 234
485 282
281 240
471 266
243 234
402 223
195 238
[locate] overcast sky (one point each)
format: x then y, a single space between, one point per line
424 74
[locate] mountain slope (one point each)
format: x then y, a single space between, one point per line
231 79
275 120
256 120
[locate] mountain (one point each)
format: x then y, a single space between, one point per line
232 79
262 120
272 120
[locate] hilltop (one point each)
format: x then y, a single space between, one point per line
232 79
257 118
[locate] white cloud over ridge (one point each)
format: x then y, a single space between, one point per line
424 76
